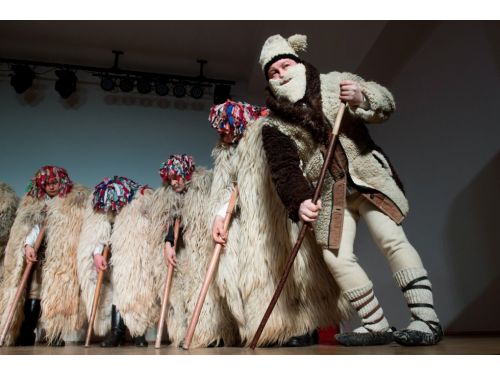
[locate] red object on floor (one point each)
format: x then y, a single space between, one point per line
326 335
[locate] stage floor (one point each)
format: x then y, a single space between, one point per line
449 345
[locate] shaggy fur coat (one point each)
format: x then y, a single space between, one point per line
259 241
130 284
60 298
194 252
8 206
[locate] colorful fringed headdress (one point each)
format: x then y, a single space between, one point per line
46 174
177 167
112 194
233 117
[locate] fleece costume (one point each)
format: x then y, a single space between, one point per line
8 206
361 183
61 311
259 241
122 222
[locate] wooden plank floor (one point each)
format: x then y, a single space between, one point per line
449 345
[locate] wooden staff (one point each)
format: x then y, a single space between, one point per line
97 295
210 273
168 286
303 229
22 286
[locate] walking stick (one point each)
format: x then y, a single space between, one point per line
210 274
97 295
168 286
21 287
303 229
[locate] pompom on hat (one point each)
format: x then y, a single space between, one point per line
233 117
47 173
276 48
177 167
112 194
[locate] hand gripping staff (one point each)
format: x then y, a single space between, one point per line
168 286
210 273
97 294
22 286
303 229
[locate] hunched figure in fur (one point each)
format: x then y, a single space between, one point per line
360 184
259 240
53 294
8 206
118 214
215 327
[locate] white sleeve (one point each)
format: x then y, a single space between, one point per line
99 248
31 238
222 210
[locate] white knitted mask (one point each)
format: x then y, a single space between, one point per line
292 86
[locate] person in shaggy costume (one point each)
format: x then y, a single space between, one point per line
361 183
117 215
259 240
8 206
191 260
53 293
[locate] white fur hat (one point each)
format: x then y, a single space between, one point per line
276 48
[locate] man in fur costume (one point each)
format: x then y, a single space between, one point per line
191 260
361 183
8 206
53 288
117 215
260 239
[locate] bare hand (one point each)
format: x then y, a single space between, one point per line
100 262
218 233
30 254
169 255
351 93
308 211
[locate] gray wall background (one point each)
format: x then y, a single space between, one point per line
443 140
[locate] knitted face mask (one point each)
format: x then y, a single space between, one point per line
292 86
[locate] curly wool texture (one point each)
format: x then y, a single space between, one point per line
61 313
259 242
96 228
8 206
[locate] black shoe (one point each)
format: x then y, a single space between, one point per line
366 338
116 336
308 339
27 334
140 341
410 337
216 344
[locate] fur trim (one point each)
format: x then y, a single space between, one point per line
276 46
284 163
8 206
298 42
254 258
60 297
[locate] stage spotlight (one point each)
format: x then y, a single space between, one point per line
126 84
107 83
22 78
161 88
222 93
196 92
66 83
179 90
144 86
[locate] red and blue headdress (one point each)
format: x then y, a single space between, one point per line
36 187
112 194
233 117
177 167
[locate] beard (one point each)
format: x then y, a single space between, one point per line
292 86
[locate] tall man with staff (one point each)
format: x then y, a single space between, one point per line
361 183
